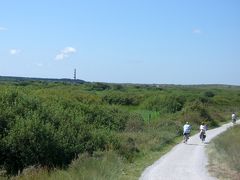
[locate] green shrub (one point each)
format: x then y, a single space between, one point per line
209 94
121 99
99 86
128 149
221 100
106 117
29 142
135 123
165 104
197 112
118 87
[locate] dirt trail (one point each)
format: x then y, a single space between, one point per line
184 161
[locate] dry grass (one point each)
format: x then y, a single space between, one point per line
224 155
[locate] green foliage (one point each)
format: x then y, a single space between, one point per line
99 86
51 124
197 112
29 142
105 117
12 105
165 104
118 87
135 123
128 149
52 134
121 98
209 94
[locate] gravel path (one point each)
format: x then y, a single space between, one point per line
184 161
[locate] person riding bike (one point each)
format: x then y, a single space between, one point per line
203 129
234 118
186 132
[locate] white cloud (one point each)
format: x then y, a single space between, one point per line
196 31
65 53
3 29
14 51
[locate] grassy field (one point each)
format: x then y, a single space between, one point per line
224 156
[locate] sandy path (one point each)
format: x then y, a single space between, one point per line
184 161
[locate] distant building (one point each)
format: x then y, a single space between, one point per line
75 74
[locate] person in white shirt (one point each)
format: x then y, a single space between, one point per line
234 117
203 129
186 132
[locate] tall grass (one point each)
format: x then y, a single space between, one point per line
102 165
148 115
224 154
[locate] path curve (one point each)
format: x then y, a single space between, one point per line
184 161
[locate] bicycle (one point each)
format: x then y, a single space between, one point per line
185 137
202 135
234 120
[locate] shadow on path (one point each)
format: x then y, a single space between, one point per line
191 144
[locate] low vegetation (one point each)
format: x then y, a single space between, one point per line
69 130
224 155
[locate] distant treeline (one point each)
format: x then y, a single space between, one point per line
28 80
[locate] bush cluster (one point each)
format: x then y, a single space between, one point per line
122 98
35 132
165 103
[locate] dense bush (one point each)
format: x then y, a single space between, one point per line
118 87
209 94
135 123
165 104
105 117
99 86
128 149
29 142
122 98
52 134
197 112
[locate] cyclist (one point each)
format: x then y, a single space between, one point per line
186 132
203 129
234 118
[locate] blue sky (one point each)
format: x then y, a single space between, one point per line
122 41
